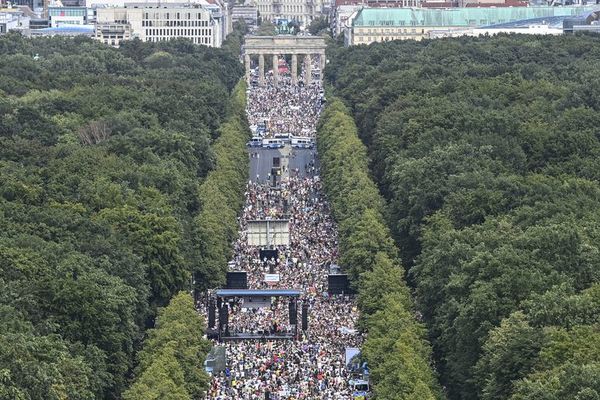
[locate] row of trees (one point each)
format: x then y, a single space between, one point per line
486 150
102 155
222 196
395 348
171 361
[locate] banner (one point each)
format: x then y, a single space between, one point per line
351 352
271 277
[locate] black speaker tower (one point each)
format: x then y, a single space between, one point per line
293 312
212 310
304 316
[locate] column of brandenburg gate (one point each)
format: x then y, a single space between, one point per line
274 46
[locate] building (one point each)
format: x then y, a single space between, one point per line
589 22
370 25
539 29
65 30
13 22
392 3
60 16
246 13
341 10
34 5
155 22
339 13
283 11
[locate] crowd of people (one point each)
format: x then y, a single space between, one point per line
310 364
285 107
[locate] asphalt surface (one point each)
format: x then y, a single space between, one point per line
261 161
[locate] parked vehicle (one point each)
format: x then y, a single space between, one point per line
303 143
360 389
285 137
256 141
272 143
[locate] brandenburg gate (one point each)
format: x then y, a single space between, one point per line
274 46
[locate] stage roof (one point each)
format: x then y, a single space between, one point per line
258 293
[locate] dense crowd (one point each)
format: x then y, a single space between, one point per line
284 107
312 365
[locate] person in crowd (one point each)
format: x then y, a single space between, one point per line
312 366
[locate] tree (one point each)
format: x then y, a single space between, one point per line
318 26
509 354
384 277
403 373
366 240
369 256
163 379
486 155
266 28
102 153
178 329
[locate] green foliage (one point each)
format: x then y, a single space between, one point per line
222 196
385 277
508 354
486 150
171 360
163 379
397 353
266 28
102 155
319 26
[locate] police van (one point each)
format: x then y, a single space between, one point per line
284 137
303 142
360 389
256 141
272 143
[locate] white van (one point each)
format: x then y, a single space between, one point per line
272 143
303 142
285 137
256 141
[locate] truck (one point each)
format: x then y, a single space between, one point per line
359 388
359 374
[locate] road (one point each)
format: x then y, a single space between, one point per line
261 161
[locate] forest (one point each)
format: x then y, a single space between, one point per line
106 156
486 151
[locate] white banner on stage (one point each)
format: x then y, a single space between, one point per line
271 277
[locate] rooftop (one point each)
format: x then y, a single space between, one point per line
459 17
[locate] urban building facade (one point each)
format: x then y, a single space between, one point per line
34 5
589 22
155 22
339 13
60 16
246 13
370 25
301 11
13 22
